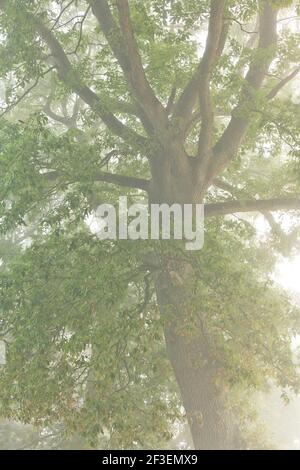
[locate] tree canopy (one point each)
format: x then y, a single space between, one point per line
165 101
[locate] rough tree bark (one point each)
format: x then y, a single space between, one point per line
211 422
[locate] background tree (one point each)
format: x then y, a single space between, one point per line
170 101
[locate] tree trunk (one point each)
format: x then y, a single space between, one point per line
211 422
212 425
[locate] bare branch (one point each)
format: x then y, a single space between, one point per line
63 10
241 25
81 23
26 92
68 121
282 83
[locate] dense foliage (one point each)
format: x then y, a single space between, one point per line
85 339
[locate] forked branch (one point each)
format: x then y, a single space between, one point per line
124 46
198 86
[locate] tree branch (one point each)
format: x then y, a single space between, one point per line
275 226
170 104
113 178
70 77
67 74
282 83
68 121
133 109
125 49
198 86
229 142
271 205
227 187
121 180
212 51
26 92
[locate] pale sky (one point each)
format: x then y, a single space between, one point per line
288 274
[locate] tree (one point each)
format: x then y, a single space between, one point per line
124 82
